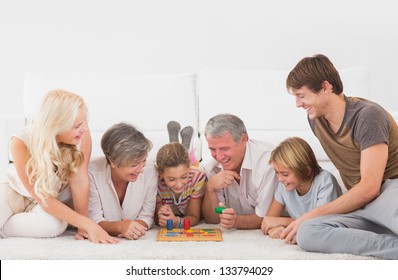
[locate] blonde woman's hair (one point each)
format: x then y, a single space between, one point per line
171 155
49 159
296 154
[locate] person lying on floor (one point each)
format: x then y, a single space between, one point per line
123 184
180 188
239 175
303 185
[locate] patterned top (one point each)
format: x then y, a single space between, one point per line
194 189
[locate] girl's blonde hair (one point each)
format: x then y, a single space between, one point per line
296 154
49 159
171 155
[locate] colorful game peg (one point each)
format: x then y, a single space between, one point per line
187 224
169 224
219 209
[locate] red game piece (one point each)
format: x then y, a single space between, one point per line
187 224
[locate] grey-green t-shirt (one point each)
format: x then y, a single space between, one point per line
365 124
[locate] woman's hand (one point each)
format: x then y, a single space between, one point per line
133 230
81 234
96 234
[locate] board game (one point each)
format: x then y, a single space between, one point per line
193 234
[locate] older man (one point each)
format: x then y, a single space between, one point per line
239 175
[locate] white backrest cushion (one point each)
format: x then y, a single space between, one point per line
149 102
356 81
260 99
9 125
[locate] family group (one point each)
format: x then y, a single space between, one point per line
54 183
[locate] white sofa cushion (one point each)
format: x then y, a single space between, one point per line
260 99
8 125
146 101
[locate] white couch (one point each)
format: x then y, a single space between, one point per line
259 97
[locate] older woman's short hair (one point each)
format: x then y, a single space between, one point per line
124 145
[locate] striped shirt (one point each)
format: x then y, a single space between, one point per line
193 189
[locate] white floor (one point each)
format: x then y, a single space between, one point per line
236 245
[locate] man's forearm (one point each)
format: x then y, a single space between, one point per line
251 221
210 201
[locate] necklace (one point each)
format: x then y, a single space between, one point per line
174 199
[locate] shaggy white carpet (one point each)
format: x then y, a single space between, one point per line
236 245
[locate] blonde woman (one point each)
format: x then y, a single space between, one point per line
50 159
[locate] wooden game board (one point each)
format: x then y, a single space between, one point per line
193 234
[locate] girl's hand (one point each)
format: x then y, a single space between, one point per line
164 214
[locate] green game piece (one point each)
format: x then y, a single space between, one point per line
219 209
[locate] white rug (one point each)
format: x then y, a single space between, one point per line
236 245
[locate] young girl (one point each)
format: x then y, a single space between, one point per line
50 169
303 185
180 187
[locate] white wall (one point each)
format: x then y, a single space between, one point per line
171 36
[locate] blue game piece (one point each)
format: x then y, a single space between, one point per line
169 224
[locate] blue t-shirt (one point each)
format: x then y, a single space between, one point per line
324 188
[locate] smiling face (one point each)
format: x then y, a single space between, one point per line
227 152
128 173
74 135
290 180
176 178
313 102
286 176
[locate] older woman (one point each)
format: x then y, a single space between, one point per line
122 184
